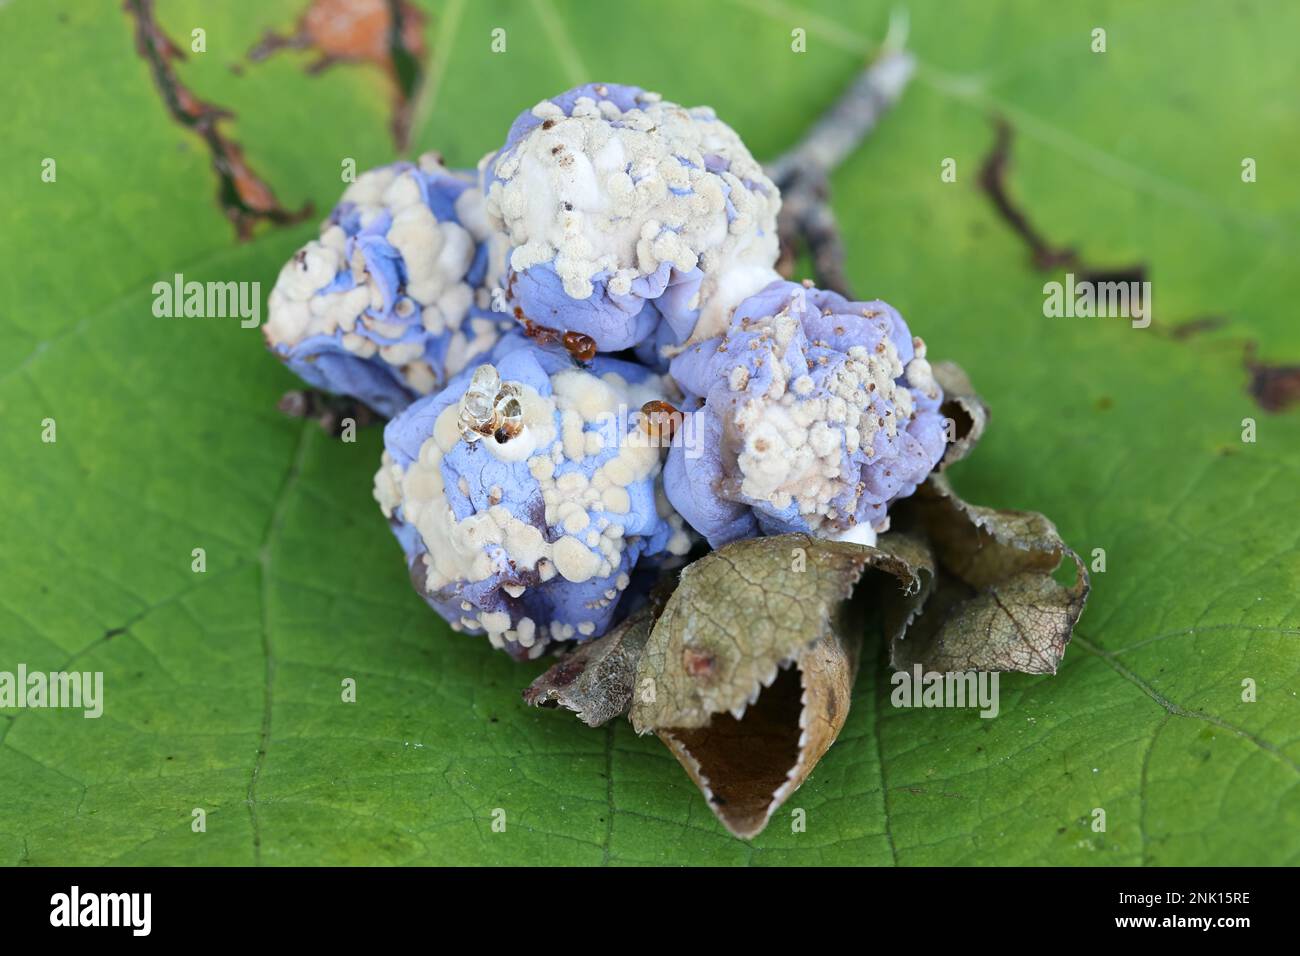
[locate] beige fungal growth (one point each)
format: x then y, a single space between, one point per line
437 294
619 193
573 528
792 440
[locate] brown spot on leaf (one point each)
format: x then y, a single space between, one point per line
698 663
242 195
388 34
1197 326
1275 388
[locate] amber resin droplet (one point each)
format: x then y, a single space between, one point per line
660 420
582 347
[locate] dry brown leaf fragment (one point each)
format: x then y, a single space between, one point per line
996 604
964 408
747 675
747 768
898 601
595 680
737 615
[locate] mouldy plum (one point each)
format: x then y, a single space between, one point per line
630 219
394 297
811 413
525 493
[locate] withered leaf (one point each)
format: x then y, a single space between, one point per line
595 680
967 410
747 674
897 601
995 604
736 616
747 768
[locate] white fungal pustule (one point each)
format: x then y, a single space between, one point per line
560 514
803 443
920 375
618 193
434 294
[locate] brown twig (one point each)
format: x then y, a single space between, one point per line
803 172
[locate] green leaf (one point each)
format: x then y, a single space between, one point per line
223 689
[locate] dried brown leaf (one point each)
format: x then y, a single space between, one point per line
747 768
747 675
595 680
736 616
896 607
966 409
995 604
